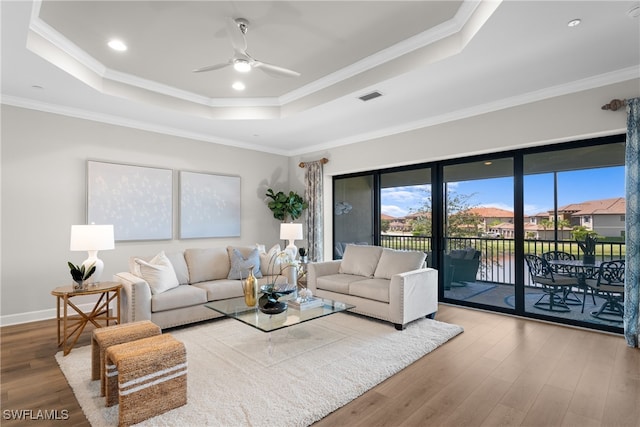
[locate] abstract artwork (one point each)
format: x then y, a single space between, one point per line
209 205
137 200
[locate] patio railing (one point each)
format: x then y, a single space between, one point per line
497 262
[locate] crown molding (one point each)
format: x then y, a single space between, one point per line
133 124
560 90
430 36
104 74
588 83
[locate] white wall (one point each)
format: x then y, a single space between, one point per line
559 119
44 192
44 184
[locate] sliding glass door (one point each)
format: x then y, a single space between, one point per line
406 211
568 195
477 254
479 218
353 207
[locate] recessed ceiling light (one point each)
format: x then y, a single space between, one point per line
574 22
241 65
488 163
238 86
117 45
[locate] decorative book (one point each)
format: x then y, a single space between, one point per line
306 305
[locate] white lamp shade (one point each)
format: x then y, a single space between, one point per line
91 237
290 231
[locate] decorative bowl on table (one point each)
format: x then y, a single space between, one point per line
268 303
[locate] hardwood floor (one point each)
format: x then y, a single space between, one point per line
501 371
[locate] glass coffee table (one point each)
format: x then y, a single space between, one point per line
252 316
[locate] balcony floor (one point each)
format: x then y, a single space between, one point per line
501 295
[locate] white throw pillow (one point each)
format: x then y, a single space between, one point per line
360 260
269 260
158 273
396 262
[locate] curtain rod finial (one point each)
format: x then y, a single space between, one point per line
615 104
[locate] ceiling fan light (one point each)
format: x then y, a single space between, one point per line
241 65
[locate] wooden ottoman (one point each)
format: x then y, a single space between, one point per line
146 377
103 338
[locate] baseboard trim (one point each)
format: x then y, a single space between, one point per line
35 316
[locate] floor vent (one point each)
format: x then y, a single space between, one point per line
370 96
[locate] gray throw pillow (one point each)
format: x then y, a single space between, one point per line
240 266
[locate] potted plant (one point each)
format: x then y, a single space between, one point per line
286 205
303 254
80 274
588 246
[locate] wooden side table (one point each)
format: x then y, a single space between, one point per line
70 327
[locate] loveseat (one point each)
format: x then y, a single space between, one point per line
382 283
171 289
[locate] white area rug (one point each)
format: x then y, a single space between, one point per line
239 376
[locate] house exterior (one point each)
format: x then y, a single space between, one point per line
492 217
606 216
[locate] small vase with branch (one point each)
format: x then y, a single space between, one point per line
271 292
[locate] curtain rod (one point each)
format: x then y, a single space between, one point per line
615 104
323 160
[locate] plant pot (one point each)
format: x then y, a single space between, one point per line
589 259
79 286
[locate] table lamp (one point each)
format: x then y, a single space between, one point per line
291 231
92 238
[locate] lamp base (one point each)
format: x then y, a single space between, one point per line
292 250
97 262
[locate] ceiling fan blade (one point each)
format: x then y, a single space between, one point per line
211 67
274 70
238 40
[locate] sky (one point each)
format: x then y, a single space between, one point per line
573 187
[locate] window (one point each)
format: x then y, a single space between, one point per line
477 217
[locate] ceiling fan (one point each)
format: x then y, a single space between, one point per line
241 60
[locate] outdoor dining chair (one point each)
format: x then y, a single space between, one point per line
554 287
570 296
609 284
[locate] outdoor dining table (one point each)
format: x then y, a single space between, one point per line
580 271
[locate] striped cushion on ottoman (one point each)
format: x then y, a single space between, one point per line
146 377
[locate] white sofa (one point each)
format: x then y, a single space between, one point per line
171 290
382 283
